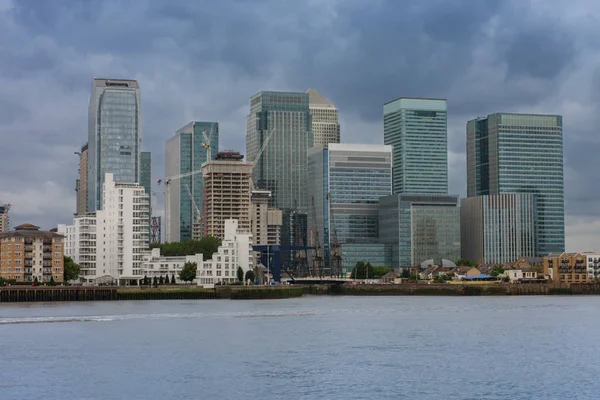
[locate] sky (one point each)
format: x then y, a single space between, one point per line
202 60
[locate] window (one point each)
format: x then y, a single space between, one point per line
56 262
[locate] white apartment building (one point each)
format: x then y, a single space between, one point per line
592 261
235 251
155 265
108 244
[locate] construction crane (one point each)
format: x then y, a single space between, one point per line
206 143
258 155
198 213
335 250
317 269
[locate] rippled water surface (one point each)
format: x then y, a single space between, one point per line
308 348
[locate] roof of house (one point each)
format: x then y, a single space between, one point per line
31 231
391 275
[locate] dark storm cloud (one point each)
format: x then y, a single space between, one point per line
202 60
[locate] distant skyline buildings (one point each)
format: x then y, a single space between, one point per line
325 119
81 184
417 128
521 153
114 135
186 152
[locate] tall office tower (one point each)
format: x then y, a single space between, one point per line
498 229
347 181
282 167
420 228
521 153
227 192
325 122
4 219
418 131
114 135
81 185
186 152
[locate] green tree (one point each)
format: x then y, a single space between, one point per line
145 280
52 283
405 273
359 271
240 274
173 280
155 281
206 246
497 270
161 280
188 272
442 278
461 262
71 270
378 272
249 276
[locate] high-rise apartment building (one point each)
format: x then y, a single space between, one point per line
521 153
417 129
282 167
4 218
108 244
81 185
325 120
114 135
227 192
347 181
498 229
419 228
28 254
186 152
265 222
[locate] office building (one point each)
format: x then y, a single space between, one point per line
521 153
227 192
4 218
114 135
186 152
347 181
282 168
498 229
265 222
108 244
419 228
81 184
417 129
325 121
29 254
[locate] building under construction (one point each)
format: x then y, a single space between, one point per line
227 192
4 220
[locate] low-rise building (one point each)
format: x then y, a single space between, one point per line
155 265
568 267
28 254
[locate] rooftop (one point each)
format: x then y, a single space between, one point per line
30 230
317 99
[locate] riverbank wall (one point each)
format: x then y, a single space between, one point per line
18 294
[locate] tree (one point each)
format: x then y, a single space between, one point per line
173 280
461 262
71 270
206 246
359 271
442 278
51 283
405 273
497 270
240 274
161 280
249 276
155 281
145 280
378 272
188 272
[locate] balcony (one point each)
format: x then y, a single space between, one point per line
28 248
28 270
47 271
47 257
28 263
47 249
28 241
47 263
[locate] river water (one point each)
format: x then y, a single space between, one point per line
306 348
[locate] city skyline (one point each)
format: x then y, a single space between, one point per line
44 193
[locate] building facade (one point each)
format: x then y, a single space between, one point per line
81 185
265 222
325 119
155 265
186 152
282 167
347 181
569 267
4 218
419 228
497 229
108 244
417 130
28 254
227 193
114 135
521 153
235 252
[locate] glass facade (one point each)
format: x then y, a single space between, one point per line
354 177
521 153
379 255
417 129
114 135
187 152
420 227
282 168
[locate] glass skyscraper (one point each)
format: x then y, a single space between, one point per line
346 182
186 152
114 135
417 129
282 167
521 153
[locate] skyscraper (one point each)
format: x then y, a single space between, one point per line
282 168
417 129
146 181
347 181
521 153
184 153
114 135
325 122
81 185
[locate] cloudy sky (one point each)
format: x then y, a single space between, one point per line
203 60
